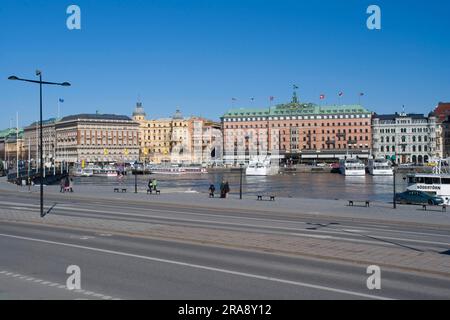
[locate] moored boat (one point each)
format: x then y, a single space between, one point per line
380 167
352 167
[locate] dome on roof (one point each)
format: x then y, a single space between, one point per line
139 110
178 115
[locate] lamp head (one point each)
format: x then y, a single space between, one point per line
13 78
66 84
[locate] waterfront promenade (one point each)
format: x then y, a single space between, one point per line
185 245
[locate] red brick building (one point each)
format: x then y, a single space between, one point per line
442 111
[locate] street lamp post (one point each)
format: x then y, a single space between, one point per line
240 184
135 177
41 165
395 189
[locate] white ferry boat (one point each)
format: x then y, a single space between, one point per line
352 167
261 166
380 167
107 171
80 172
436 183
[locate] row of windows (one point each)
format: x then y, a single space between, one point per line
405 130
324 147
403 148
309 124
358 116
404 139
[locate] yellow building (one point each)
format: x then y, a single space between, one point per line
173 140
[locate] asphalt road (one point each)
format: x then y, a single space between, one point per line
34 258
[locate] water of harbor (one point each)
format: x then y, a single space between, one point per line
299 185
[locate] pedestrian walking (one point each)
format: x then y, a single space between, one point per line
227 189
211 189
222 190
66 184
62 184
71 184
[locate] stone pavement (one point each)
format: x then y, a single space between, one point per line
326 208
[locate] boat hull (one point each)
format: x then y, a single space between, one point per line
353 173
382 172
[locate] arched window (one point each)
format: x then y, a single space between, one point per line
414 138
403 139
414 159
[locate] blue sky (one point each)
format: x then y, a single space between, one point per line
197 55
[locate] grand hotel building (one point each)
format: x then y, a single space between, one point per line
297 131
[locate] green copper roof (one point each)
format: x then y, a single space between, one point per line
293 109
10 133
44 122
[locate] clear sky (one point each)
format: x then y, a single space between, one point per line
197 55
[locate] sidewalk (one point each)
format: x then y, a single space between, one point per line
382 212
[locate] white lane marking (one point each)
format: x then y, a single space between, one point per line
202 267
355 231
366 229
310 236
56 285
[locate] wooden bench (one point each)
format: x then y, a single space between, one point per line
150 191
261 198
366 203
425 206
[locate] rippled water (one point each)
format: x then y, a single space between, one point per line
300 185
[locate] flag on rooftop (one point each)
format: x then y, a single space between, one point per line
322 97
61 100
341 94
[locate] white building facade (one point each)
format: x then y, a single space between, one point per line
406 138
